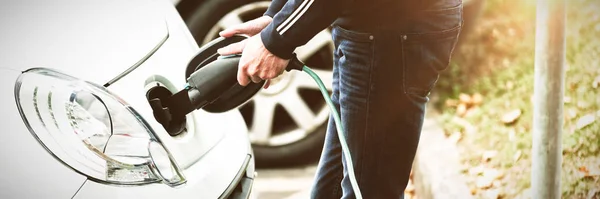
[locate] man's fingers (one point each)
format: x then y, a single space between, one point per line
234 48
267 84
236 29
255 79
242 77
254 73
250 28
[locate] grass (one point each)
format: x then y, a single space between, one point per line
497 61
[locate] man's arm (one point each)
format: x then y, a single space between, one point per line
274 7
297 22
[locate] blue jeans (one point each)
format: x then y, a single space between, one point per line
381 82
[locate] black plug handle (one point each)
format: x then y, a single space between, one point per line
294 64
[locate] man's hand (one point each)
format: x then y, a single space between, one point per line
256 63
250 28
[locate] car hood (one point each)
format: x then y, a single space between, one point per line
95 40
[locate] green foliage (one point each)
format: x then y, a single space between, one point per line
497 61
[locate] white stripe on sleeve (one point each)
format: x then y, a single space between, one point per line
297 17
292 16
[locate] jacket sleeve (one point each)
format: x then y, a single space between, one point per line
274 7
297 22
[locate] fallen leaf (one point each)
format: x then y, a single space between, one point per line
470 130
455 137
471 111
583 105
573 86
511 116
477 99
596 82
517 156
505 62
494 174
497 183
512 32
585 121
511 135
532 99
525 194
592 193
476 170
584 170
461 110
473 190
492 194
488 155
468 127
507 103
593 167
495 33
509 85
464 98
451 103
410 188
567 99
484 182
571 113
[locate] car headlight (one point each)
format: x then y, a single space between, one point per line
93 131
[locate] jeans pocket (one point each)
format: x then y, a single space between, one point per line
424 56
353 60
355 36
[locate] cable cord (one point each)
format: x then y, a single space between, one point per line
340 130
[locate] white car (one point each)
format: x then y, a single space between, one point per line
75 80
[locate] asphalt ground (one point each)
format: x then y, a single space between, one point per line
287 183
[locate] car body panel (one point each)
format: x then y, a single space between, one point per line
93 40
28 170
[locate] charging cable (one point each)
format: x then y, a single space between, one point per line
340 130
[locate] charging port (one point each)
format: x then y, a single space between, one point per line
157 97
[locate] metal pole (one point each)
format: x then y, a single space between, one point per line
548 99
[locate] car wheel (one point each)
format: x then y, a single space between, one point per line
286 122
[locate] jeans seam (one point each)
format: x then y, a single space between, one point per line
337 186
368 111
438 35
459 6
338 178
403 65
